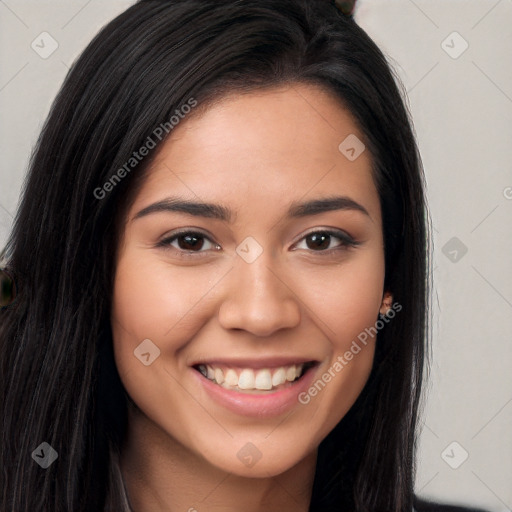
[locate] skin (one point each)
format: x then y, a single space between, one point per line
254 154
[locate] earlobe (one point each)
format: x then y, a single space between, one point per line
387 301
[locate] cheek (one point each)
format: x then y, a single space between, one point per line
347 298
346 305
153 302
150 300
157 310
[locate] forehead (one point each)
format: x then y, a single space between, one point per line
261 148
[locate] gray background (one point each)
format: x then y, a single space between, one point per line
461 104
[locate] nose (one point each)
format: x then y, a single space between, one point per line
258 300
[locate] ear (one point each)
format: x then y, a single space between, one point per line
387 301
7 289
345 6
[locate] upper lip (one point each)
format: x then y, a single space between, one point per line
255 363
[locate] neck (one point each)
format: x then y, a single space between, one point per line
161 474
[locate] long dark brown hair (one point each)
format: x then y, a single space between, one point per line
59 383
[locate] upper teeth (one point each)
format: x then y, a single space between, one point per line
247 378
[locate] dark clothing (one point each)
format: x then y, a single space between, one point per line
421 505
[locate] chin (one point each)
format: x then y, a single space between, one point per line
255 459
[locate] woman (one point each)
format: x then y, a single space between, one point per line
221 268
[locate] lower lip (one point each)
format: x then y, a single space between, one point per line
258 405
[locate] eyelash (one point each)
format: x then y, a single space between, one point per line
346 242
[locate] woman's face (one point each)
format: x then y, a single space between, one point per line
253 253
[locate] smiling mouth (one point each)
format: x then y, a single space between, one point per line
248 380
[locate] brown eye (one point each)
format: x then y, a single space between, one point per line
326 241
318 241
188 242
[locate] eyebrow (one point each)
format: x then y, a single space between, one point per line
219 212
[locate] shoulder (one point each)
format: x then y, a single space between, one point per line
422 505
